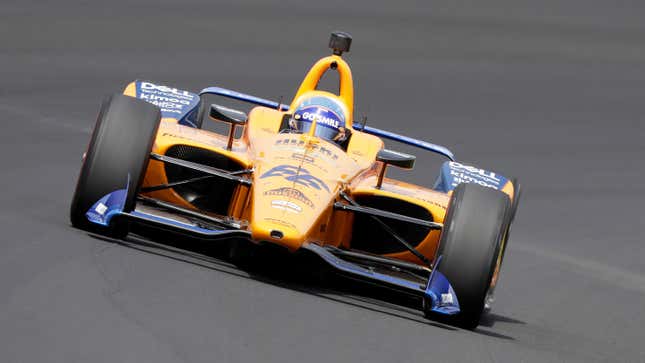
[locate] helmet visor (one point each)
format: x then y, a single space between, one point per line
329 125
323 131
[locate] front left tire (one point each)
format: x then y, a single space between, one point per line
117 157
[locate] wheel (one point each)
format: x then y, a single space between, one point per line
471 246
116 156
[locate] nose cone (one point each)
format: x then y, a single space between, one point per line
296 180
279 231
288 203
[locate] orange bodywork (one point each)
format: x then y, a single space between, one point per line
297 178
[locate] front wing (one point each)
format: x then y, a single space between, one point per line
435 290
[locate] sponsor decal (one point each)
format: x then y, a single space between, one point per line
171 105
169 100
286 206
191 134
291 193
153 88
192 137
299 143
101 208
435 203
281 222
321 115
303 157
328 104
461 173
446 299
297 175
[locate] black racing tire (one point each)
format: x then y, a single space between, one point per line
471 246
118 152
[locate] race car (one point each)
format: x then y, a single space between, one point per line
303 177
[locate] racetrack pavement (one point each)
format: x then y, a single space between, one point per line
549 92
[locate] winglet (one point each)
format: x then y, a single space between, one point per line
440 296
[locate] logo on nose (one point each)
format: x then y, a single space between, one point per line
297 175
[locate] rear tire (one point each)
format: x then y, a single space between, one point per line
470 245
117 157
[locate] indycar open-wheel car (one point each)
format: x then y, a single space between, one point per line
302 177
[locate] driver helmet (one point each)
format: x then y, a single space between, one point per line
329 113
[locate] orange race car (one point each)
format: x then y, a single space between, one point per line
303 177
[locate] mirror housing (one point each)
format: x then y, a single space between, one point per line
225 114
233 117
399 159
396 158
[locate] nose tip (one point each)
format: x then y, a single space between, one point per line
270 231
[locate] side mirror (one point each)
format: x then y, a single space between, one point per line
233 117
391 157
229 115
405 161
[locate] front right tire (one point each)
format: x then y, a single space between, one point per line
471 246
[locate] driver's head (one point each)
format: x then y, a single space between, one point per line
329 113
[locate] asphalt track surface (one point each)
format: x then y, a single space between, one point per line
548 91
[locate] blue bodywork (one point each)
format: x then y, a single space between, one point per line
406 140
219 91
443 299
438 292
107 207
